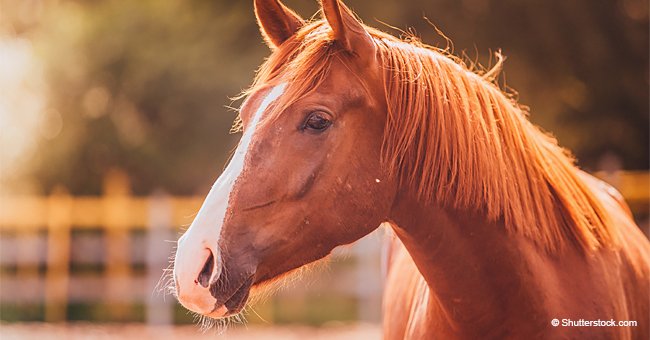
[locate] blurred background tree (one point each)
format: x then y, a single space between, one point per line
145 85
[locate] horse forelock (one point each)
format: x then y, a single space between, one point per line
457 139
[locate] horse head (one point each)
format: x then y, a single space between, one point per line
306 176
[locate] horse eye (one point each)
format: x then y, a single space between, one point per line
317 122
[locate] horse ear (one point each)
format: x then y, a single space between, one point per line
277 22
347 30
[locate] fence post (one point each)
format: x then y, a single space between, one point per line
368 272
159 246
118 269
59 218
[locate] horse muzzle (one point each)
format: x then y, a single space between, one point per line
205 285
196 264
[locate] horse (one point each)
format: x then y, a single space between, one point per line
496 231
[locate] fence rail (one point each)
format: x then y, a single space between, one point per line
117 213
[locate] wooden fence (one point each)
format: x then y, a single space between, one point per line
117 214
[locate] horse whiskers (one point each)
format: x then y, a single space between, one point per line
165 284
247 308
207 323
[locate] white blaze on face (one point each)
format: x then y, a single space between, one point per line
205 230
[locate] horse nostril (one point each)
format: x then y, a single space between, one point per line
206 272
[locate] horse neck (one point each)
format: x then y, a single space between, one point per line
472 266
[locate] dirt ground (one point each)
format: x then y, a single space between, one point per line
42 331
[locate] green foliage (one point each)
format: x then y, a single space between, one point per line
315 310
144 85
103 312
21 312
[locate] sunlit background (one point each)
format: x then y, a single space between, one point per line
115 119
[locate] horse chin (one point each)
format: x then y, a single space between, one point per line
234 303
238 300
218 313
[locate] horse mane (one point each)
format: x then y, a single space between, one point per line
457 139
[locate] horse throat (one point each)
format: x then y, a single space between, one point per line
472 267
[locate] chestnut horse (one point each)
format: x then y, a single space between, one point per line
345 128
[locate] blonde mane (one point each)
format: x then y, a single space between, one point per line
458 140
